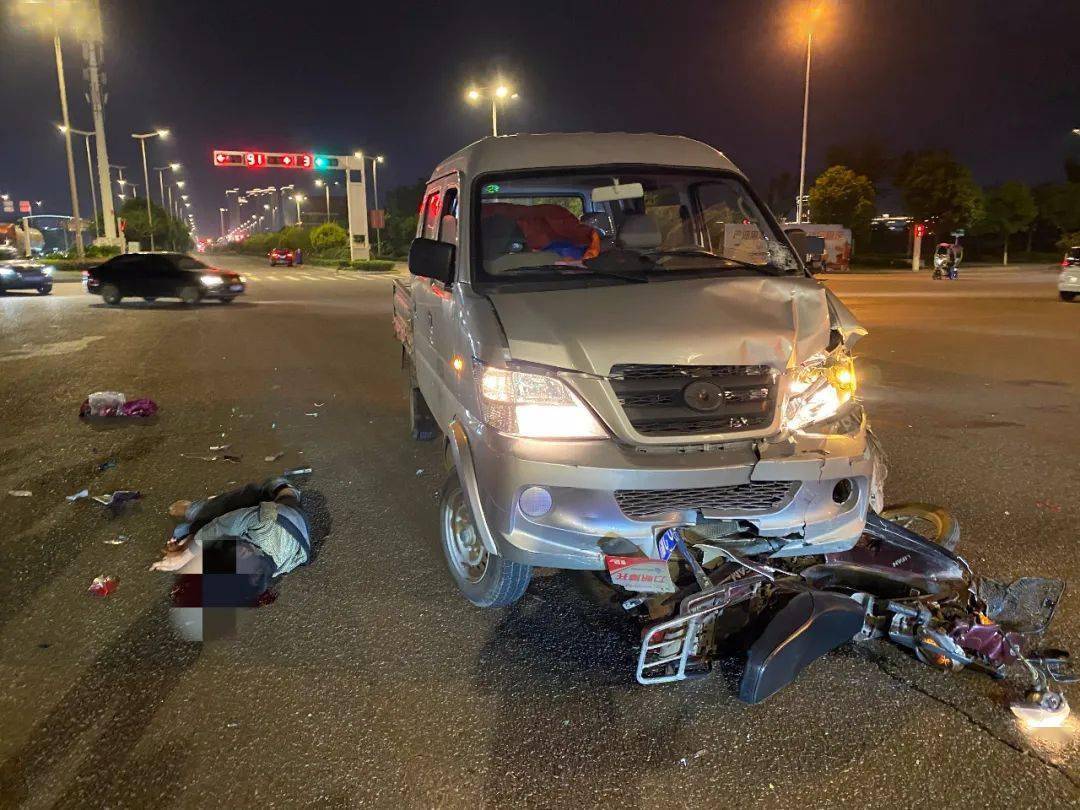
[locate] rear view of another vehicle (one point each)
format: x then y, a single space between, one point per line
23 274
1069 279
282 256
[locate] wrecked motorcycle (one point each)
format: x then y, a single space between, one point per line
902 582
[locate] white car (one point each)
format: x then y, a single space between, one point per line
1069 279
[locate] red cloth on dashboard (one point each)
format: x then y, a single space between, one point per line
542 224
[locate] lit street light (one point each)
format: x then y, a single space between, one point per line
812 16
142 138
375 161
89 166
221 213
298 198
323 184
161 178
499 93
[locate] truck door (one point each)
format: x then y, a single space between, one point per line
433 344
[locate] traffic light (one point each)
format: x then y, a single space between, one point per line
222 158
920 230
276 160
326 162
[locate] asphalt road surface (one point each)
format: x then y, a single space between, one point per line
371 682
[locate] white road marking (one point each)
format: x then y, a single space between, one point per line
50 349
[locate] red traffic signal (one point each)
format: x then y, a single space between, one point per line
258 160
920 229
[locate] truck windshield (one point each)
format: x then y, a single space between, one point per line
637 224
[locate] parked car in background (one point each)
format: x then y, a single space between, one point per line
17 273
161 275
1069 279
281 256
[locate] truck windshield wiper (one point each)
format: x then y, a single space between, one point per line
767 269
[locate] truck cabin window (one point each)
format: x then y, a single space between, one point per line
634 223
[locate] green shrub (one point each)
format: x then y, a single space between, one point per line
372 265
294 237
340 254
99 251
327 237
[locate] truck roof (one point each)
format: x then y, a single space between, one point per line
559 150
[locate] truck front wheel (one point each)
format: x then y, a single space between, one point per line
486 579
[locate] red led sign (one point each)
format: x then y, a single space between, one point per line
260 160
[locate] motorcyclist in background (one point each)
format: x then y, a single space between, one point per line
947 260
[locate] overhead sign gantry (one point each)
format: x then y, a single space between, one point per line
355 182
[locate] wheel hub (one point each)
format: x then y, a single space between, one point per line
464 546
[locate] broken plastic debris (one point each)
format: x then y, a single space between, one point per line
106 465
113 403
311 414
318 404
119 540
215 448
20 493
232 458
419 472
199 458
298 471
82 493
103 585
274 457
116 501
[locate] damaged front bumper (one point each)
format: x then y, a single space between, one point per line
805 495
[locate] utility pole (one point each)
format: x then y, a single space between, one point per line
92 49
67 142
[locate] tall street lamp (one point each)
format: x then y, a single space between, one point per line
375 161
497 93
298 198
323 184
281 192
142 138
90 168
161 178
813 14
221 213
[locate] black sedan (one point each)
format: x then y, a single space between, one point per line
161 275
17 273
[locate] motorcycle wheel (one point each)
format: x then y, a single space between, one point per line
926 520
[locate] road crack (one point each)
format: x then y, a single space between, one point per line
970 718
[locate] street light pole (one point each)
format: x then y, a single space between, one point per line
500 92
221 213
90 169
79 251
142 138
805 114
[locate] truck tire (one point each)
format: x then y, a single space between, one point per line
487 580
422 423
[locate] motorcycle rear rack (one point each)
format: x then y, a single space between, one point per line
663 659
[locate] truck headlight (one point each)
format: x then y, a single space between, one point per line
819 388
534 406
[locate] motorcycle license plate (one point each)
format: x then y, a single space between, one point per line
640 574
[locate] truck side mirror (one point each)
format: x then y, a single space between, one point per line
429 258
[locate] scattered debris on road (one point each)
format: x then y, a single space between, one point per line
119 540
298 471
232 458
103 585
20 493
312 414
116 502
106 465
113 403
82 493
214 448
419 472
274 457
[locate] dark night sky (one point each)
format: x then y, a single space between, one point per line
996 82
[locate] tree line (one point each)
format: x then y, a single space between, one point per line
938 190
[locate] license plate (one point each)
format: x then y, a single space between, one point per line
236 287
640 574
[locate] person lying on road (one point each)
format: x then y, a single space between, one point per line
256 533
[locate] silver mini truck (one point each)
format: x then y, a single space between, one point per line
614 337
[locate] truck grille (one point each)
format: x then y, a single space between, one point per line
755 496
727 399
